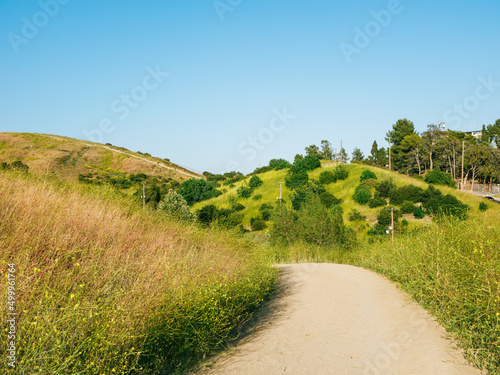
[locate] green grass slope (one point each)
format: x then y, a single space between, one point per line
344 190
67 158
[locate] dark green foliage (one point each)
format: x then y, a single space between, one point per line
355 215
384 217
483 206
362 194
407 207
19 166
197 190
337 209
257 197
232 177
357 156
367 174
341 172
207 214
409 193
328 199
257 224
384 188
437 203
296 178
279 164
302 193
266 211
437 177
214 177
418 212
237 207
314 224
224 217
327 177
244 191
261 170
376 202
255 182
307 163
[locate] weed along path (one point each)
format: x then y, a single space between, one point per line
338 319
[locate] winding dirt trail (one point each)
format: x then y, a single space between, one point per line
337 319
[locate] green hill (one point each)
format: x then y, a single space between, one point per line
68 158
344 190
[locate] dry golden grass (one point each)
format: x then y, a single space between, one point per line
100 280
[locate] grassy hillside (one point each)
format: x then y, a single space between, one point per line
67 158
344 190
103 287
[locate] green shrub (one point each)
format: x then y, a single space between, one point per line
355 215
296 178
327 177
255 182
437 177
362 195
261 170
279 164
409 193
244 191
483 206
384 217
376 202
257 224
174 205
207 214
237 207
266 211
435 203
257 197
341 172
418 212
197 190
385 187
367 174
328 199
407 207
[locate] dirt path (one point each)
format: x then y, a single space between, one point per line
337 319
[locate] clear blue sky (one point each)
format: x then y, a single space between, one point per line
201 82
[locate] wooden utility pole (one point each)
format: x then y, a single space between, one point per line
390 166
281 190
463 154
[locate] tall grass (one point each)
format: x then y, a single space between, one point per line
105 288
452 269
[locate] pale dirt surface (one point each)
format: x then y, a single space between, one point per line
337 319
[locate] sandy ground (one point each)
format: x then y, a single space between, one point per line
337 319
